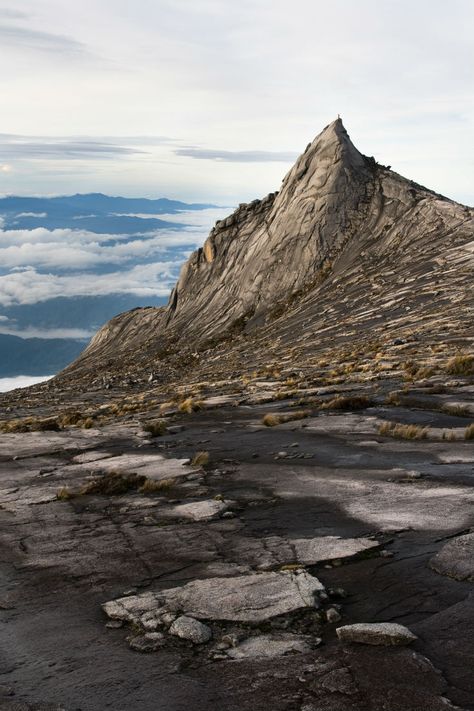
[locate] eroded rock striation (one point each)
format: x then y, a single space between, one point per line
344 241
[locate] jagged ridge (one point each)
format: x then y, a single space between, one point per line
341 231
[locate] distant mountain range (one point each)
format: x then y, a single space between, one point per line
68 264
95 212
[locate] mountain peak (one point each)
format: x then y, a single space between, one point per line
337 216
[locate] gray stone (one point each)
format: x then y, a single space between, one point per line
245 598
332 615
200 510
149 642
191 629
270 645
456 558
377 633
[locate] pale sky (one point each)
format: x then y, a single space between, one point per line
212 100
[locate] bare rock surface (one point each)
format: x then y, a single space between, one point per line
272 551
246 598
376 633
271 645
200 510
456 558
189 628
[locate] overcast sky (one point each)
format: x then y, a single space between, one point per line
213 99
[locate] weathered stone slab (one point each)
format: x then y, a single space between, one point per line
246 598
199 510
270 645
153 466
189 628
275 550
456 558
377 633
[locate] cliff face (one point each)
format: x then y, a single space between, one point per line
337 245
270 249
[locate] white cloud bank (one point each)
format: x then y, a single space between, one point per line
42 264
21 381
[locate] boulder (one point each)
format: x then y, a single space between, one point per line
377 633
191 629
270 645
456 558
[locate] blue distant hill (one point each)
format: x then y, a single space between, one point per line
94 212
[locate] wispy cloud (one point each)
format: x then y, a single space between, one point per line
238 156
8 13
33 332
28 38
13 147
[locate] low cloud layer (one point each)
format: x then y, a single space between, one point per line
13 147
40 264
239 156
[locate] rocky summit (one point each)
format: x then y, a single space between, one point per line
261 495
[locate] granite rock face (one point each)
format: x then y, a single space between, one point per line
344 237
385 634
245 598
456 558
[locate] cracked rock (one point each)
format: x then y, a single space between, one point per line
270 645
191 629
456 558
149 642
377 633
245 598
200 510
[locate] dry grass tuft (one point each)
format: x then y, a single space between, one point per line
113 484
157 428
70 418
456 410
30 424
200 459
469 432
393 429
273 419
190 405
462 364
65 494
153 486
347 402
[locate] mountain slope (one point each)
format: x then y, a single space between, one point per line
346 246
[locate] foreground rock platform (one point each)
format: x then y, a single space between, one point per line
238 607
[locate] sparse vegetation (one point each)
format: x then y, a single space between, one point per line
113 484
456 410
469 432
190 405
273 419
462 364
347 402
156 486
200 459
399 431
156 428
65 494
30 424
449 436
